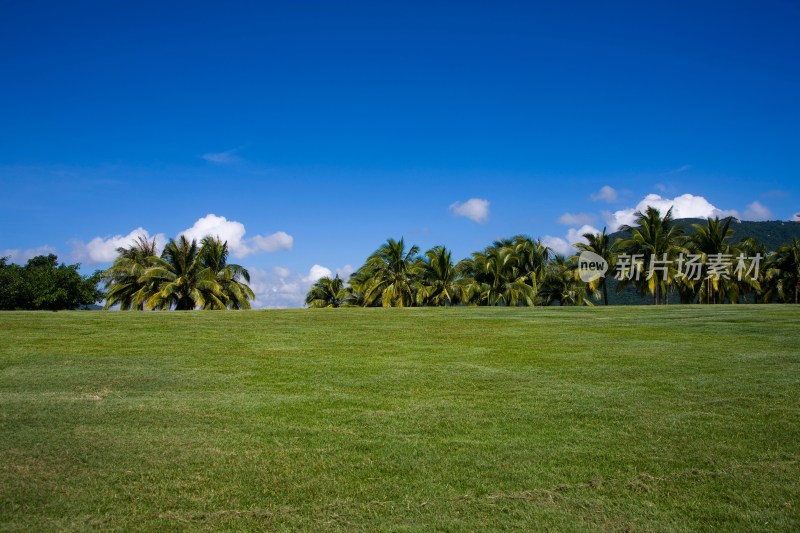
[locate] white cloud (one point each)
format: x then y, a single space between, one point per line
576 235
606 194
104 249
281 288
683 206
558 245
758 212
222 158
476 209
280 240
564 246
282 272
345 272
20 256
682 168
316 272
233 232
277 289
576 219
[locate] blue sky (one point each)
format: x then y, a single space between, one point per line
319 130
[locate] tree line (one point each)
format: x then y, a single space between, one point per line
518 271
521 271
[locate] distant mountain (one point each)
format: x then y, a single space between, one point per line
772 234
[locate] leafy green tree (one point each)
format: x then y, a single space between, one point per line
600 244
327 292
44 284
437 278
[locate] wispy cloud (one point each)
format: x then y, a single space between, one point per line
20 256
682 168
758 212
576 219
227 157
776 193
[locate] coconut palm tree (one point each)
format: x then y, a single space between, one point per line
658 241
179 279
600 244
437 278
711 239
493 277
532 260
562 283
783 272
327 292
232 279
391 274
123 280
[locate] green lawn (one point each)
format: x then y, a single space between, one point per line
643 418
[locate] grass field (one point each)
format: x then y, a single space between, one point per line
672 418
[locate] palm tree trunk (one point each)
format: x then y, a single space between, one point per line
605 293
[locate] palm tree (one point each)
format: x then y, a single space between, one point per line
231 278
493 277
712 240
437 278
562 283
532 260
658 241
327 292
391 275
179 279
600 244
783 272
751 248
123 280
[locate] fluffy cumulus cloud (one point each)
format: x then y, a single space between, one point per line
576 235
476 209
234 232
20 255
683 206
558 245
576 219
606 194
564 246
104 249
318 272
758 212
